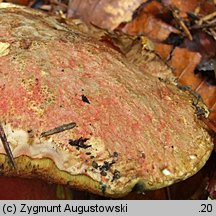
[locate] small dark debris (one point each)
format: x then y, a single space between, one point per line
183 87
79 143
103 188
192 16
206 65
92 156
115 154
200 112
103 173
106 166
85 99
138 188
174 39
143 155
166 81
208 75
116 175
196 100
94 164
88 153
103 168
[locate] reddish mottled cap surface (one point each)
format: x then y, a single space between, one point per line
131 128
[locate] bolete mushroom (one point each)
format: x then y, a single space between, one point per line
76 112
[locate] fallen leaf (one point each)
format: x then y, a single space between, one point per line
183 63
182 5
202 43
208 93
107 14
163 50
207 7
148 25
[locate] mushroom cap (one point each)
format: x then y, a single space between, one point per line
131 128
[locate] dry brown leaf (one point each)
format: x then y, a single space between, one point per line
163 50
207 7
147 24
202 43
208 93
212 115
154 8
182 5
106 14
184 63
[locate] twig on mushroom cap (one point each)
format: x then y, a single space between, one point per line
59 129
7 147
